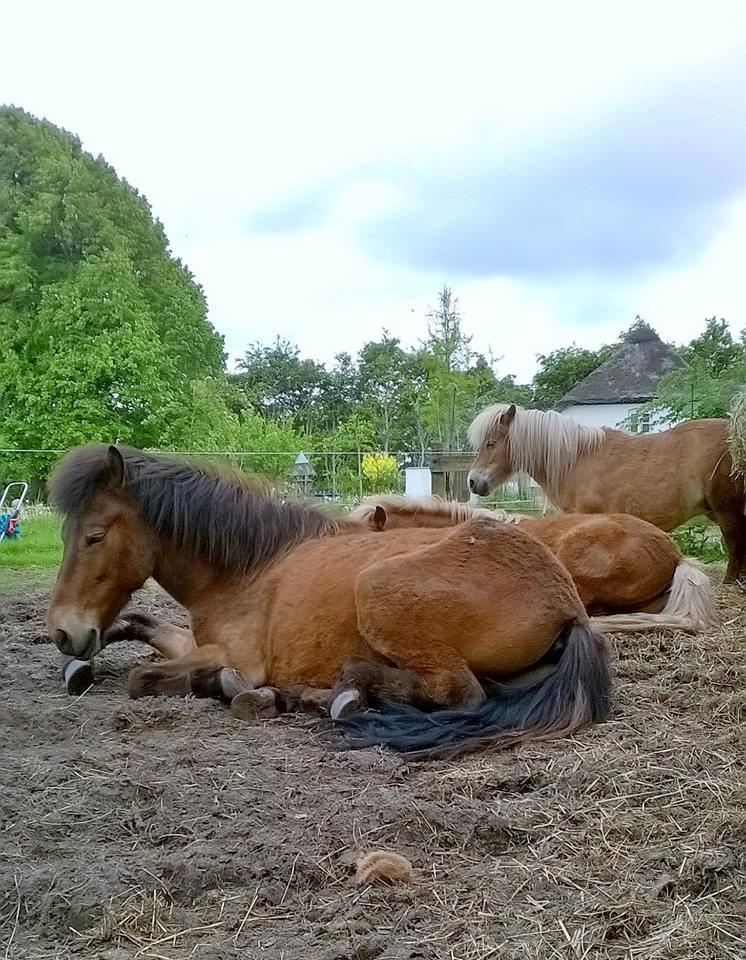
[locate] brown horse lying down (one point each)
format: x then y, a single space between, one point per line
618 562
276 598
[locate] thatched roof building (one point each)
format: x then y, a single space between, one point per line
622 383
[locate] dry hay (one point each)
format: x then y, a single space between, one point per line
737 441
166 829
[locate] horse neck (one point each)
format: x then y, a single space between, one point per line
550 479
535 466
185 577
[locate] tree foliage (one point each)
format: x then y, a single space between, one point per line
102 330
104 336
561 370
713 372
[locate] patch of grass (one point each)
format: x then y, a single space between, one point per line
32 559
700 538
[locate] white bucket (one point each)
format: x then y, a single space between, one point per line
418 482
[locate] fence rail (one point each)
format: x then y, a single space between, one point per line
338 475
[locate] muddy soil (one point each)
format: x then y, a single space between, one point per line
167 829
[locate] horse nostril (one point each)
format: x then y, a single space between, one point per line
90 638
471 483
61 638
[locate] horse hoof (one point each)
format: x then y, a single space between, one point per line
232 682
78 676
259 704
315 701
345 703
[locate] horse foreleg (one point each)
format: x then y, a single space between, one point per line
203 673
76 674
261 703
170 641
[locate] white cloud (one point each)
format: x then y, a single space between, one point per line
213 110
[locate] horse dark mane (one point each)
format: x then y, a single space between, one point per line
220 515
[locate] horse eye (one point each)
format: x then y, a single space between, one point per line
490 443
95 538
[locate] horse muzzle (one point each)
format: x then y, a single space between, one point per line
83 642
479 483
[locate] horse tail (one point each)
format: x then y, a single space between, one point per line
577 692
690 606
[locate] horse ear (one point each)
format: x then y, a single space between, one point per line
507 418
378 519
115 467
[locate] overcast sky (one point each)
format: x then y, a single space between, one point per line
323 168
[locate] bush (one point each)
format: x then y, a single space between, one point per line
701 540
381 473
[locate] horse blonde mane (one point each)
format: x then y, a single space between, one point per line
542 441
431 506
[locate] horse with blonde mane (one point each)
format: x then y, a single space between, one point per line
665 478
630 575
278 598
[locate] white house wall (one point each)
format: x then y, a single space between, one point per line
603 414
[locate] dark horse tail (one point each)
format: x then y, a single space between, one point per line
576 693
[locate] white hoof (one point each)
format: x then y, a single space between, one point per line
345 703
232 683
78 676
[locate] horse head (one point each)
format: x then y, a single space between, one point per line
489 436
108 551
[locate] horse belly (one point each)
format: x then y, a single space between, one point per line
653 478
312 625
311 633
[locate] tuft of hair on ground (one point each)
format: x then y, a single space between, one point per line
383 866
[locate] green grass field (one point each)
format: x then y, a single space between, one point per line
32 559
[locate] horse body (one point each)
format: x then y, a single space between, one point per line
665 478
650 476
279 598
625 569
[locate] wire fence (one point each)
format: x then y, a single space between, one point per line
341 476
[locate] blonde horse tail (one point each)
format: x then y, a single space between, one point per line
690 606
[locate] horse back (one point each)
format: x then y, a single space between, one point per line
664 478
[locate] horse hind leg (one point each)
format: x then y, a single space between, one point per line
365 682
435 673
733 528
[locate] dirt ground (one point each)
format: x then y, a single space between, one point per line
166 829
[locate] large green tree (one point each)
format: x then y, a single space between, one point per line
281 384
712 373
560 370
390 381
460 381
102 330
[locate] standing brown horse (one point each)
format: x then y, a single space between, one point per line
665 478
630 575
276 598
